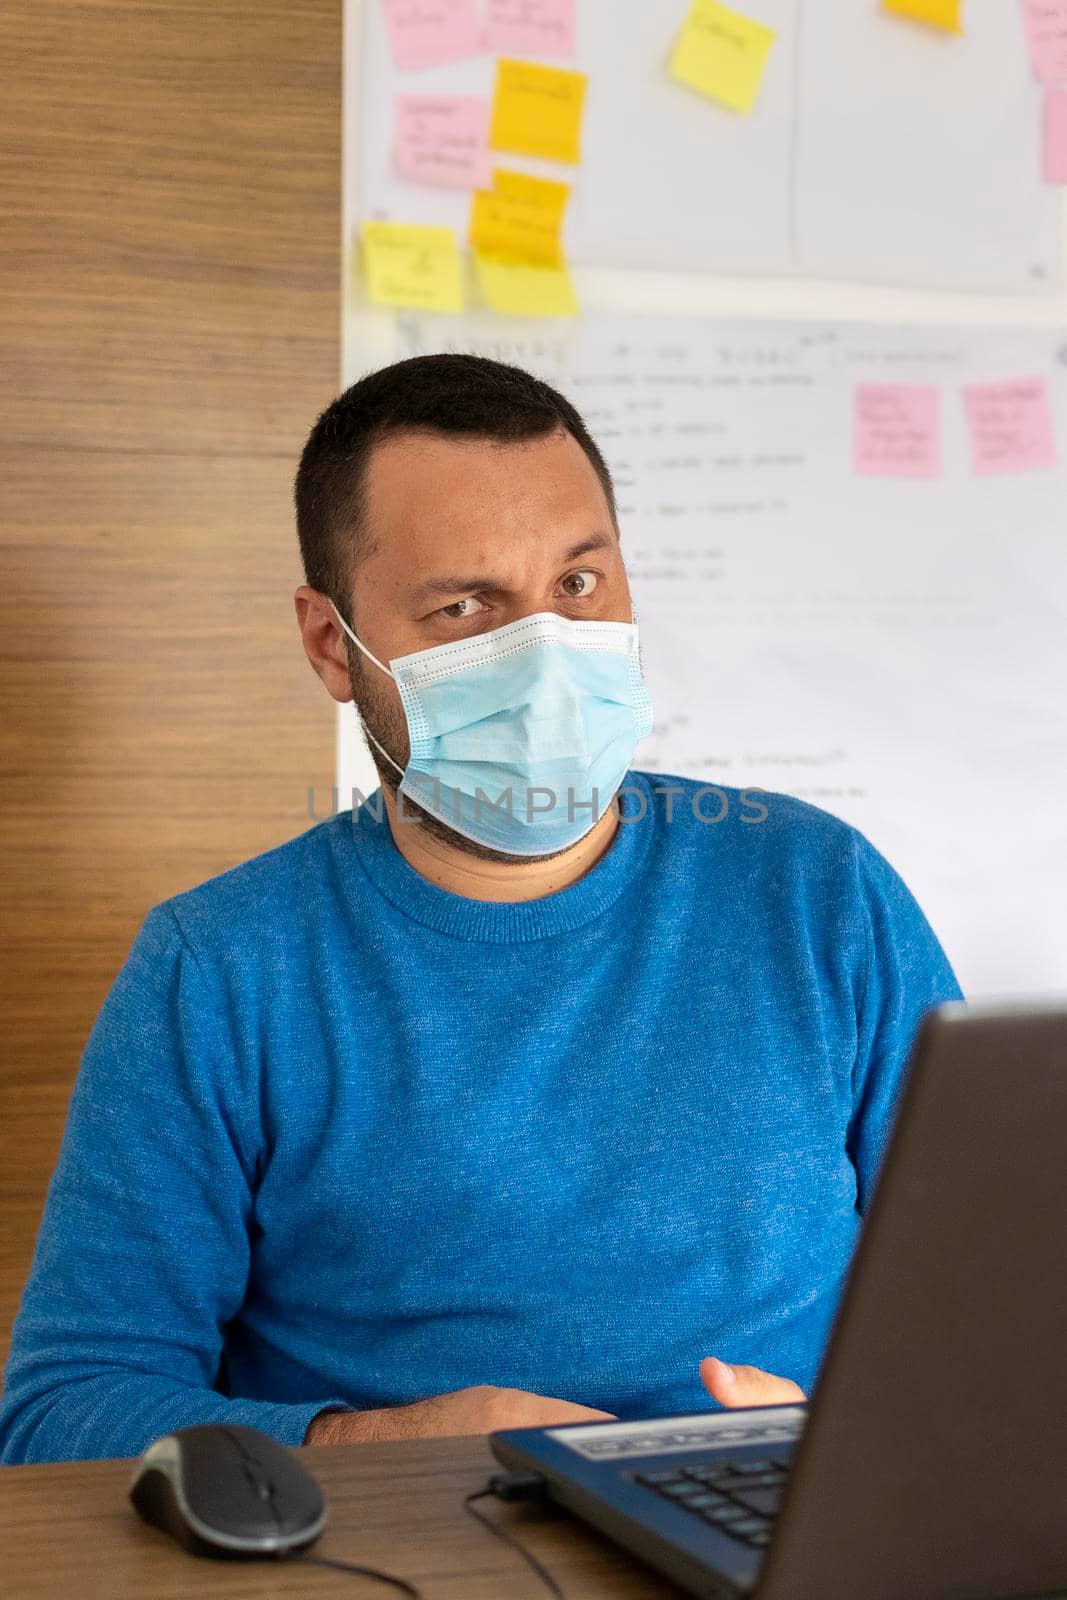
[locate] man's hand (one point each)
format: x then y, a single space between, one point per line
481 1409
486 1408
747 1386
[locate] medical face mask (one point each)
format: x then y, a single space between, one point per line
519 738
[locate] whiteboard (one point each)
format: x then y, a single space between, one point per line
946 747
894 651
878 150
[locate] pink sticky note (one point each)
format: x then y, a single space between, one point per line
1054 136
1046 31
425 33
531 27
1011 425
896 431
443 139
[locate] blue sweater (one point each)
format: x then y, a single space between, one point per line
341 1137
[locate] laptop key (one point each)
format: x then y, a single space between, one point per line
658 1478
765 1480
765 1501
681 1491
706 1474
746 1467
746 1525
723 1514
715 1497
698 1502
763 1538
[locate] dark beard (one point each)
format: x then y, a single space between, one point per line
391 733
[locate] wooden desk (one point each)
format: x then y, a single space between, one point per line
69 1529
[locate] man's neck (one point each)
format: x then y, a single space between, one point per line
452 868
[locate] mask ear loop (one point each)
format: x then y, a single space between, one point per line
377 663
353 638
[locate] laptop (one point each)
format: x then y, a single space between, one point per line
931 1461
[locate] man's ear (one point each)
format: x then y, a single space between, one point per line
325 644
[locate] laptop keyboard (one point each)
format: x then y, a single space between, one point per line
739 1497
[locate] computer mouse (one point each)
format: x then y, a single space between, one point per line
225 1490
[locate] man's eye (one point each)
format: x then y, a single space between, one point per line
580 583
454 610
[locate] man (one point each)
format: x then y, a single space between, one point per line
533 1089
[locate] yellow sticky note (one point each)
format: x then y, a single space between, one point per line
944 14
722 53
408 264
537 111
519 219
524 291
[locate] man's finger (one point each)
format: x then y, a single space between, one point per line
746 1386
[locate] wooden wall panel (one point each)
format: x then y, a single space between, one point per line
169 284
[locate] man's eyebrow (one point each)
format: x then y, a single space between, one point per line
458 584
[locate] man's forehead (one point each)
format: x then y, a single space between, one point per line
413 463
429 497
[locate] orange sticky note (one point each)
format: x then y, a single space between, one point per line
722 53
519 219
943 14
537 111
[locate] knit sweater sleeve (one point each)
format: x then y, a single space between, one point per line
906 973
144 1248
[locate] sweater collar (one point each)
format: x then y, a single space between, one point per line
489 921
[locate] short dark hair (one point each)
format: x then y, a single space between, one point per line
450 394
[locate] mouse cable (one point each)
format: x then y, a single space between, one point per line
502 1486
364 1572
514 1486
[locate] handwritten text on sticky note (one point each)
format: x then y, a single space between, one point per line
426 33
1054 135
408 264
1010 425
443 139
944 14
722 53
1046 32
530 27
896 431
537 111
519 219
522 291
